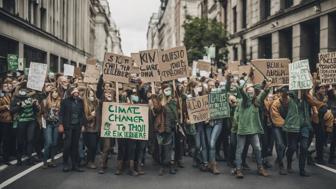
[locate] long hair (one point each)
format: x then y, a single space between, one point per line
89 106
51 102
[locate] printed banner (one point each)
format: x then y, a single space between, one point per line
117 68
275 69
198 109
125 121
36 76
299 75
173 63
218 105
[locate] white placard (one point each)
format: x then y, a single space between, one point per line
299 75
69 70
36 76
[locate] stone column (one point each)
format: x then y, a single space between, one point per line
296 42
275 45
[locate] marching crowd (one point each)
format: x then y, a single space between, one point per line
66 117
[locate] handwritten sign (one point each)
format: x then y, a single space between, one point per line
173 63
117 67
275 69
218 105
327 68
198 109
36 76
12 60
125 121
91 74
299 75
69 70
204 66
148 62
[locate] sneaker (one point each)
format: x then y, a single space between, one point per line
239 174
262 172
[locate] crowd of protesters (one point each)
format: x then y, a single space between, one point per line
66 118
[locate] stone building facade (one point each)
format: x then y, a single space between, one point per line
54 32
294 29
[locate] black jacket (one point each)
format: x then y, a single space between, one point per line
66 111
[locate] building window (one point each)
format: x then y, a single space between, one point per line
63 61
234 11
265 9
286 43
265 47
32 54
235 53
244 16
53 66
9 6
7 46
286 4
244 54
43 19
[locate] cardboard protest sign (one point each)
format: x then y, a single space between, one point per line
218 105
327 68
91 74
233 66
91 61
275 69
203 66
78 72
69 70
12 60
148 63
244 69
299 75
173 63
36 76
328 57
198 109
125 121
117 67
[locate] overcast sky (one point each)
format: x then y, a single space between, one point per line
131 17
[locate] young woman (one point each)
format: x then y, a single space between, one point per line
51 108
165 125
249 126
91 129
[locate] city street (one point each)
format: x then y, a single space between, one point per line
186 178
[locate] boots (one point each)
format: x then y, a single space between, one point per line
239 174
262 172
289 166
139 169
132 171
213 168
172 168
282 170
119 167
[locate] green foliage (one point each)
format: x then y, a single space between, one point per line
201 33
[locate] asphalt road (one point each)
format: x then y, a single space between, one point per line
186 178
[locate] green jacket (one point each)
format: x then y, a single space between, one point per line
249 118
297 116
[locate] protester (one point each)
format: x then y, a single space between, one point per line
72 121
50 109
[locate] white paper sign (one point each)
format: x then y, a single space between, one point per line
299 75
36 76
69 70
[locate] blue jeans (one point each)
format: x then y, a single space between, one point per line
200 142
50 141
279 143
212 134
254 141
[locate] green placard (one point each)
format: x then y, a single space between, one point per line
218 105
12 60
